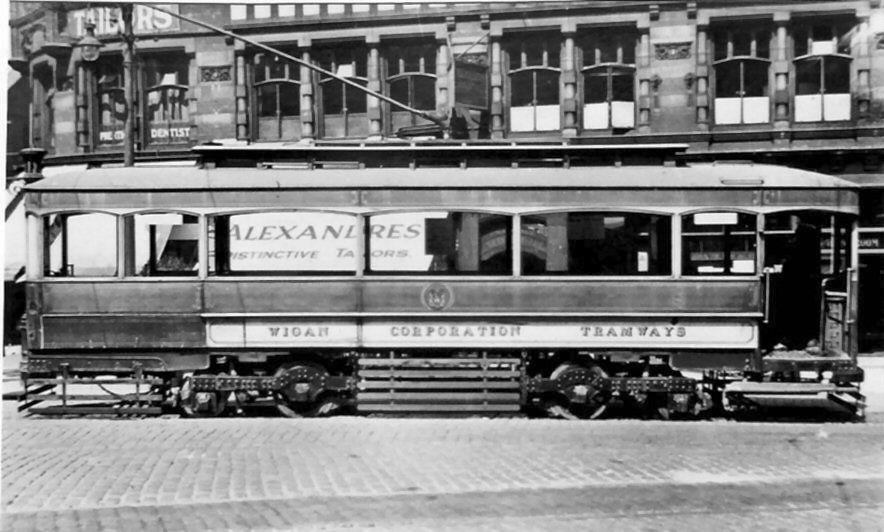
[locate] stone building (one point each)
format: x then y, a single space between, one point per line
793 83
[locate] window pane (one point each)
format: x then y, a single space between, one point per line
742 43
522 89
800 40
762 44
514 53
165 244
332 97
90 242
356 99
547 87
608 49
260 72
727 79
589 243
622 89
628 45
755 76
718 243
290 242
720 45
289 99
837 74
595 86
267 100
399 90
440 242
808 76
424 93
277 69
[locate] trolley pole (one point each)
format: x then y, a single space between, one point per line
128 80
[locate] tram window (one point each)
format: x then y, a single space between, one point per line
165 244
596 243
80 245
806 239
719 243
440 242
278 243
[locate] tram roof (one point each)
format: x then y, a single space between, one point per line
181 178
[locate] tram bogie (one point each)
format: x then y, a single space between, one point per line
670 290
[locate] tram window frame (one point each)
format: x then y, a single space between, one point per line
747 223
830 262
137 264
56 226
447 262
655 255
219 249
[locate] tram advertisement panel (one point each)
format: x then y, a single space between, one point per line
607 333
316 241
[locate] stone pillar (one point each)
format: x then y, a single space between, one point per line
781 68
375 125
702 78
497 128
443 70
308 116
569 81
862 62
242 102
644 74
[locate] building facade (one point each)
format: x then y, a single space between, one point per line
793 83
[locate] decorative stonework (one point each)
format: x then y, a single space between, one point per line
672 50
209 74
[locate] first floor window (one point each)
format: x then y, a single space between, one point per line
344 107
596 243
410 73
166 102
741 91
822 88
440 242
111 109
721 243
278 98
534 100
608 97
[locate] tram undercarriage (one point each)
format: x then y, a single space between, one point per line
559 384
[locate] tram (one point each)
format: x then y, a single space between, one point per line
442 279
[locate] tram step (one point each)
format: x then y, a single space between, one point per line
437 397
437 408
145 398
438 384
95 410
96 381
438 373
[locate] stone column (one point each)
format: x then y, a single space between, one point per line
862 62
569 81
242 102
443 69
781 68
497 128
375 125
308 116
643 74
702 78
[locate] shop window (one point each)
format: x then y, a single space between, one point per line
277 97
165 81
608 72
111 109
534 83
344 108
718 243
742 74
822 72
410 78
80 245
283 243
162 244
596 243
440 243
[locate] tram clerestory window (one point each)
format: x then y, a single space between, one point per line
164 244
80 245
440 243
283 243
596 243
718 243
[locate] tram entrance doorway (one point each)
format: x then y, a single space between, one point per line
809 281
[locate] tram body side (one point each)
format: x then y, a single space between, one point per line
302 338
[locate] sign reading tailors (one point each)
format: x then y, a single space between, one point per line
108 20
589 333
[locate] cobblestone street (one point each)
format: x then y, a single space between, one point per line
407 474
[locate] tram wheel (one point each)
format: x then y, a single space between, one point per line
584 389
201 404
299 391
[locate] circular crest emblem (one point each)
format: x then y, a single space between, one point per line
437 296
